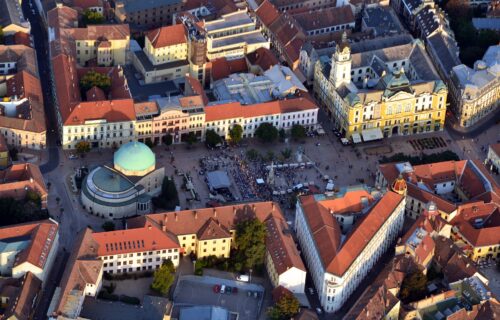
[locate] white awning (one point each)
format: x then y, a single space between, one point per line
356 138
372 134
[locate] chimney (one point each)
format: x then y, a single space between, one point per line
234 210
176 219
215 213
149 227
195 214
272 205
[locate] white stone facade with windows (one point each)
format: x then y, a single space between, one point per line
139 261
99 133
334 290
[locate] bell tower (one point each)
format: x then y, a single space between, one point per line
341 63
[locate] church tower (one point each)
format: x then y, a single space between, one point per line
341 63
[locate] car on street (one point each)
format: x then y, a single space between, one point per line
73 157
243 278
318 310
216 288
229 290
222 289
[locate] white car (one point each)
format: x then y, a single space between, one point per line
73 157
223 288
243 278
319 311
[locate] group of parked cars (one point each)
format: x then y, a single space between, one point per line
224 289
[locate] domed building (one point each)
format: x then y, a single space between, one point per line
126 189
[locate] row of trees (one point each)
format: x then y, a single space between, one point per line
14 211
266 133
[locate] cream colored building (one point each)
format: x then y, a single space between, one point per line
380 93
476 92
108 45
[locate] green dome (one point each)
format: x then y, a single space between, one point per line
134 157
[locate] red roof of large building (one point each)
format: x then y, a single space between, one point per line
478 223
267 13
41 236
222 67
237 110
337 257
167 36
18 179
148 238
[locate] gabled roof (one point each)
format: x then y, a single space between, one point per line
222 67
20 306
267 13
471 213
167 36
148 238
212 229
40 236
263 58
337 257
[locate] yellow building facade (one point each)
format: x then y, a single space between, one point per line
380 93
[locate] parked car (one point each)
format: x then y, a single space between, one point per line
243 278
73 157
255 294
235 290
222 289
249 293
216 288
319 311
229 290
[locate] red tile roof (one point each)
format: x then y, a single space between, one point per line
222 68
194 87
281 246
236 110
82 268
213 229
41 235
324 18
148 238
167 36
496 148
101 32
267 13
263 58
16 180
464 221
20 306
337 257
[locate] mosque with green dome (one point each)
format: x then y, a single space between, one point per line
126 188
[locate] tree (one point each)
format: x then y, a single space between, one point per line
285 308
167 139
282 135
413 287
92 17
82 147
149 143
236 133
251 243
108 226
212 139
190 138
95 79
253 154
168 198
298 132
163 277
266 132
287 153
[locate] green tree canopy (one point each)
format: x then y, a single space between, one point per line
168 198
163 277
236 133
82 147
413 287
285 308
266 132
252 154
190 138
95 79
298 132
251 243
212 139
92 17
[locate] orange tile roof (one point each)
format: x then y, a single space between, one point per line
350 202
148 238
101 32
41 236
95 94
222 219
16 180
281 246
324 18
337 257
21 305
496 148
262 57
167 36
267 13
147 107
82 267
222 68
467 214
236 110
426 196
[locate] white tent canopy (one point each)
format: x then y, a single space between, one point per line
372 134
356 138
218 179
